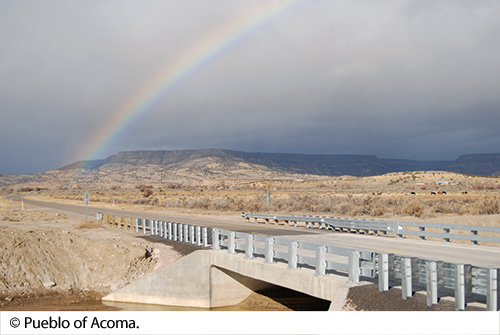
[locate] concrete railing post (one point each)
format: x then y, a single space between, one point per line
432 283
215 239
293 255
269 251
459 287
320 261
492 290
353 265
249 246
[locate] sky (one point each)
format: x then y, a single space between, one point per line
409 79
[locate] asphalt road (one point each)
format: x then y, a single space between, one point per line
448 252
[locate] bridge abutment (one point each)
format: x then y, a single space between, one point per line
209 279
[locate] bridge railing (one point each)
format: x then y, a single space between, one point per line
465 282
445 232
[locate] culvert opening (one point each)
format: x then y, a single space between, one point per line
266 296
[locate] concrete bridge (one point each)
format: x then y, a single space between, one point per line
240 263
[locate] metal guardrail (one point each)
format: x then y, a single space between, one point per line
437 278
387 227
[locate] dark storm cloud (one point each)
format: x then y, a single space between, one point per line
400 79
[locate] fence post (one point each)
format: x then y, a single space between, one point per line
383 272
215 239
320 261
432 283
292 255
204 232
249 246
353 264
269 251
459 287
492 290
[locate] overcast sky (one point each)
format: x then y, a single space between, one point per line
398 79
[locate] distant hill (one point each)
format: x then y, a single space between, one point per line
218 161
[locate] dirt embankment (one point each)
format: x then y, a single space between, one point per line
48 255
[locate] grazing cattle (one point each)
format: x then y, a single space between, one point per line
464 192
433 193
440 192
444 192
413 193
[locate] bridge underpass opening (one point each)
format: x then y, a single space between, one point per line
267 296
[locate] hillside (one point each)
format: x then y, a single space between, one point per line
184 166
328 165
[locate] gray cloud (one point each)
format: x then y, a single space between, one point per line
401 79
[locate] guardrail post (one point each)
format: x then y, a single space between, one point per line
383 272
320 261
459 287
165 232
174 231
293 255
474 234
198 235
249 246
231 248
151 227
215 239
295 223
409 268
136 225
269 251
204 233
492 290
422 230
432 283
191 235
186 233
181 232
447 232
353 264
161 228
169 230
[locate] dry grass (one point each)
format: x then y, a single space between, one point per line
88 224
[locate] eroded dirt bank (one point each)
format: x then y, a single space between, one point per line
49 256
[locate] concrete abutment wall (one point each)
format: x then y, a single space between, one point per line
209 279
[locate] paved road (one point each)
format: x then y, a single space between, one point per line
448 252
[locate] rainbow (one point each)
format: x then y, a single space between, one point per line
188 62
